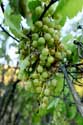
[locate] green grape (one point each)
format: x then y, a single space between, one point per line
34 75
38 24
47 36
43 57
45 99
50 59
47 92
45 28
34 43
46 20
51 10
52 51
56 37
44 75
45 51
51 42
43 105
38 10
61 47
40 69
51 31
35 36
41 41
36 82
30 69
58 55
38 89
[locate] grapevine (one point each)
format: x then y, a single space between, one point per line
40 54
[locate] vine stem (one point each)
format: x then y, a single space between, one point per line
8 33
72 89
46 8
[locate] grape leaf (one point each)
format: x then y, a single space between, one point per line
0 1
13 21
32 5
67 8
54 103
14 5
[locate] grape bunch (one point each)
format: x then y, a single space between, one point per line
40 55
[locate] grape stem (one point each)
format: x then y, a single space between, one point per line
72 89
4 30
46 8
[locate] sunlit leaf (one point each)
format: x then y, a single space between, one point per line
13 21
67 8
54 103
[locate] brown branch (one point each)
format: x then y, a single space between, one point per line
72 89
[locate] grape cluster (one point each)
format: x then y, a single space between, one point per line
40 55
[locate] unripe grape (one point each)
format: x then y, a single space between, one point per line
45 28
41 41
46 20
30 69
42 62
57 27
51 10
36 82
35 36
51 24
47 36
38 89
40 69
38 24
51 42
34 43
34 75
61 47
52 51
58 55
43 57
45 99
56 37
47 92
51 31
38 10
45 75
50 59
43 105
45 51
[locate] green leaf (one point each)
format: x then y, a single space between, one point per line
0 1
54 103
66 38
32 5
14 5
67 8
71 112
13 21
